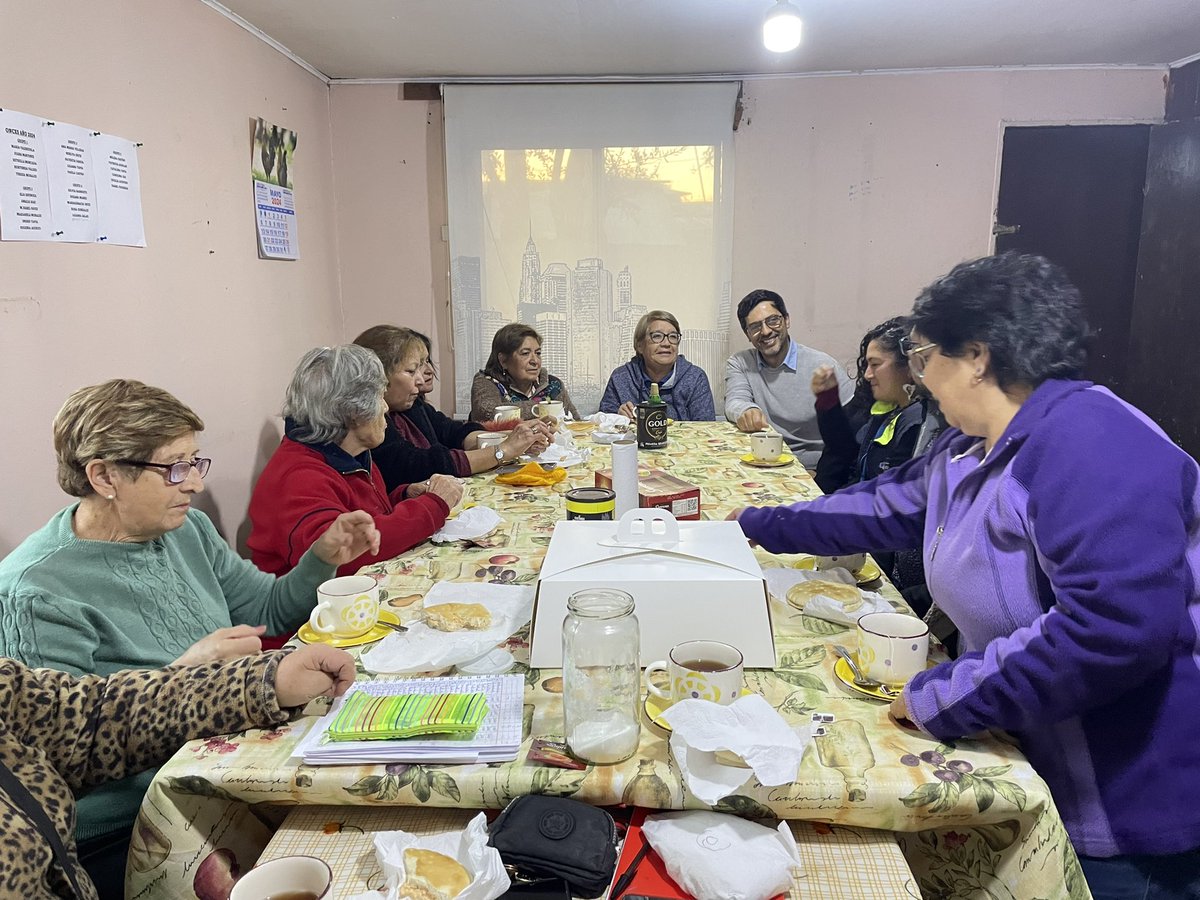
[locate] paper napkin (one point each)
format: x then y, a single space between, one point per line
424 649
780 581
470 523
748 727
469 847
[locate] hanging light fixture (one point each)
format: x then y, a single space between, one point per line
781 28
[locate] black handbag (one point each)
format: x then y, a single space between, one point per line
553 837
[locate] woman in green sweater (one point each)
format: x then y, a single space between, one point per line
130 576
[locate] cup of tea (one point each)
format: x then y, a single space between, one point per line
701 670
491 439
290 877
548 408
892 647
766 446
346 607
507 414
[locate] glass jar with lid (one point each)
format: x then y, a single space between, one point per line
602 675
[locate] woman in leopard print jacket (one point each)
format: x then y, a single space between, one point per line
59 734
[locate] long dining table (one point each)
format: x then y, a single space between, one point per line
972 817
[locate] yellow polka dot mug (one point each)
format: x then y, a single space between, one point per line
346 607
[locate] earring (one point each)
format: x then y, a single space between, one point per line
978 377
909 390
112 497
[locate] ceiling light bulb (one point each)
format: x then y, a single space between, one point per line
781 28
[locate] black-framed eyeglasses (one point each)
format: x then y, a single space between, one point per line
916 355
176 473
772 322
658 337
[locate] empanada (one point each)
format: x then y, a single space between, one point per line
458 617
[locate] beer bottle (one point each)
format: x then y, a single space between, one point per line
652 421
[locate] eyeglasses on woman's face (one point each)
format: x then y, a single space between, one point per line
916 355
177 472
657 337
771 322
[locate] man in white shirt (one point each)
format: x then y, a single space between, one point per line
768 386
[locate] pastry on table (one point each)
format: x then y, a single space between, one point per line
458 617
432 876
848 595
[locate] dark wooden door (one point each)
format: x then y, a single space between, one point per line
1164 368
1073 193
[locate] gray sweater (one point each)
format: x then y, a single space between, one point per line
784 395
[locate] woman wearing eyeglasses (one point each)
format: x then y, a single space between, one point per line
1061 534
130 576
683 386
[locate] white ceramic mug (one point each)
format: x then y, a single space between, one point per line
548 408
490 439
850 562
892 647
507 414
346 607
702 670
283 876
766 446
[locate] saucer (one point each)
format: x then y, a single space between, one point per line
869 571
310 635
841 670
785 459
654 707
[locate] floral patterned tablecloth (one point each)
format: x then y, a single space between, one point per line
973 818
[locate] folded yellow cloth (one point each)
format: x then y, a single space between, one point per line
533 474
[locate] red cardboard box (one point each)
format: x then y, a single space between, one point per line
660 490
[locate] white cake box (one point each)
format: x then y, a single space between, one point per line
689 581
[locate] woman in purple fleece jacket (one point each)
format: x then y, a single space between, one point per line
1073 582
682 386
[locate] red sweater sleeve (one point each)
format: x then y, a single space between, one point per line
299 495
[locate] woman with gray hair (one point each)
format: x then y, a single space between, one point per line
333 417
656 360
131 577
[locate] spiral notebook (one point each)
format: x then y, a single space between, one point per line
497 739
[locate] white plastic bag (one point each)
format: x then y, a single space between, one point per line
714 856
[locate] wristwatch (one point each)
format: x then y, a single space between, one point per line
499 455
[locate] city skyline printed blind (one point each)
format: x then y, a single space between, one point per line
577 208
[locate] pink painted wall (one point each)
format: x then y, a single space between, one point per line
388 178
853 193
196 311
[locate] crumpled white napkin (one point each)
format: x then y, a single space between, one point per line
562 455
780 580
470 523
424 649
716 856
469 847
609 421
749 727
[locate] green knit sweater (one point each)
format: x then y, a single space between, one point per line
101 606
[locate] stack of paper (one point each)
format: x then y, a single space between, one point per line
497 739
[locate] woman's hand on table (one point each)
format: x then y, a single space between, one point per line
898 713
347 538
314 670
223 644
447 487
532 437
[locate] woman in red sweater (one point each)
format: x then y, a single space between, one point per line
333 417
